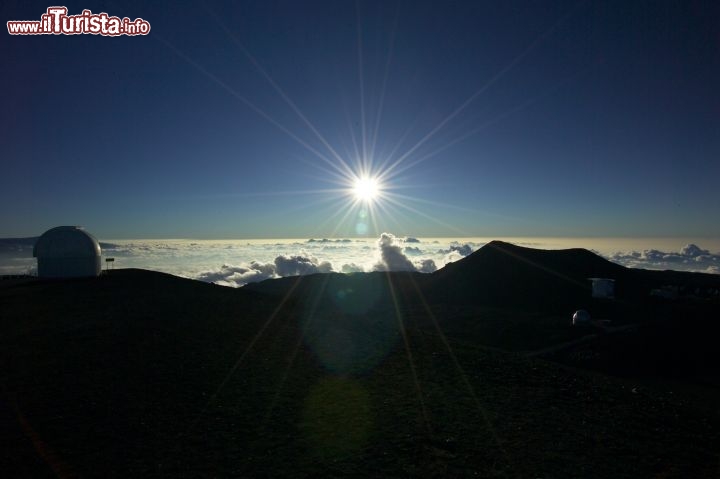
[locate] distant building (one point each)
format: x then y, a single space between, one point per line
603 288
67 252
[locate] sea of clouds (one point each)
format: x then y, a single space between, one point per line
388 253
238 262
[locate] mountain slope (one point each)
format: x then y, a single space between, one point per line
141 374
501 273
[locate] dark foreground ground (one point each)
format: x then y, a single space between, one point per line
143 374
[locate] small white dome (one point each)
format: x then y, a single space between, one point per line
581 316
66 242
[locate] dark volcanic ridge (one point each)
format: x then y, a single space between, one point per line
457 373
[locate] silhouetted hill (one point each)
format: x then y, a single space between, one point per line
139 374
501 273
522 299
349 292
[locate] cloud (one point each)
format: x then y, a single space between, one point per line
427 266
693 251
412 250
300 265
455 252
18 247
391 256
453 256
352 268
461 249
690 258
325 240
235 276
238 262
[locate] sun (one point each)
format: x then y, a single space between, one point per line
366 189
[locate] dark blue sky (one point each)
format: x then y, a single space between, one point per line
505 118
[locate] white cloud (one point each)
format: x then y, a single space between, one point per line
325 240
352 268
229 275
427 266
461 249
452 257
391 256
300 265
235 276
237 262
690 258
693 251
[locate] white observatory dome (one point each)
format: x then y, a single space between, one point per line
67 252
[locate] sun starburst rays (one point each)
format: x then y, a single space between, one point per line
360 175
365 189
377 155
373 161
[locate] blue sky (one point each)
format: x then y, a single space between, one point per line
513 118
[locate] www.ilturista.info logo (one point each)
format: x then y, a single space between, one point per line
57 22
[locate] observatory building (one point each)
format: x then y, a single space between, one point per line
67 252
